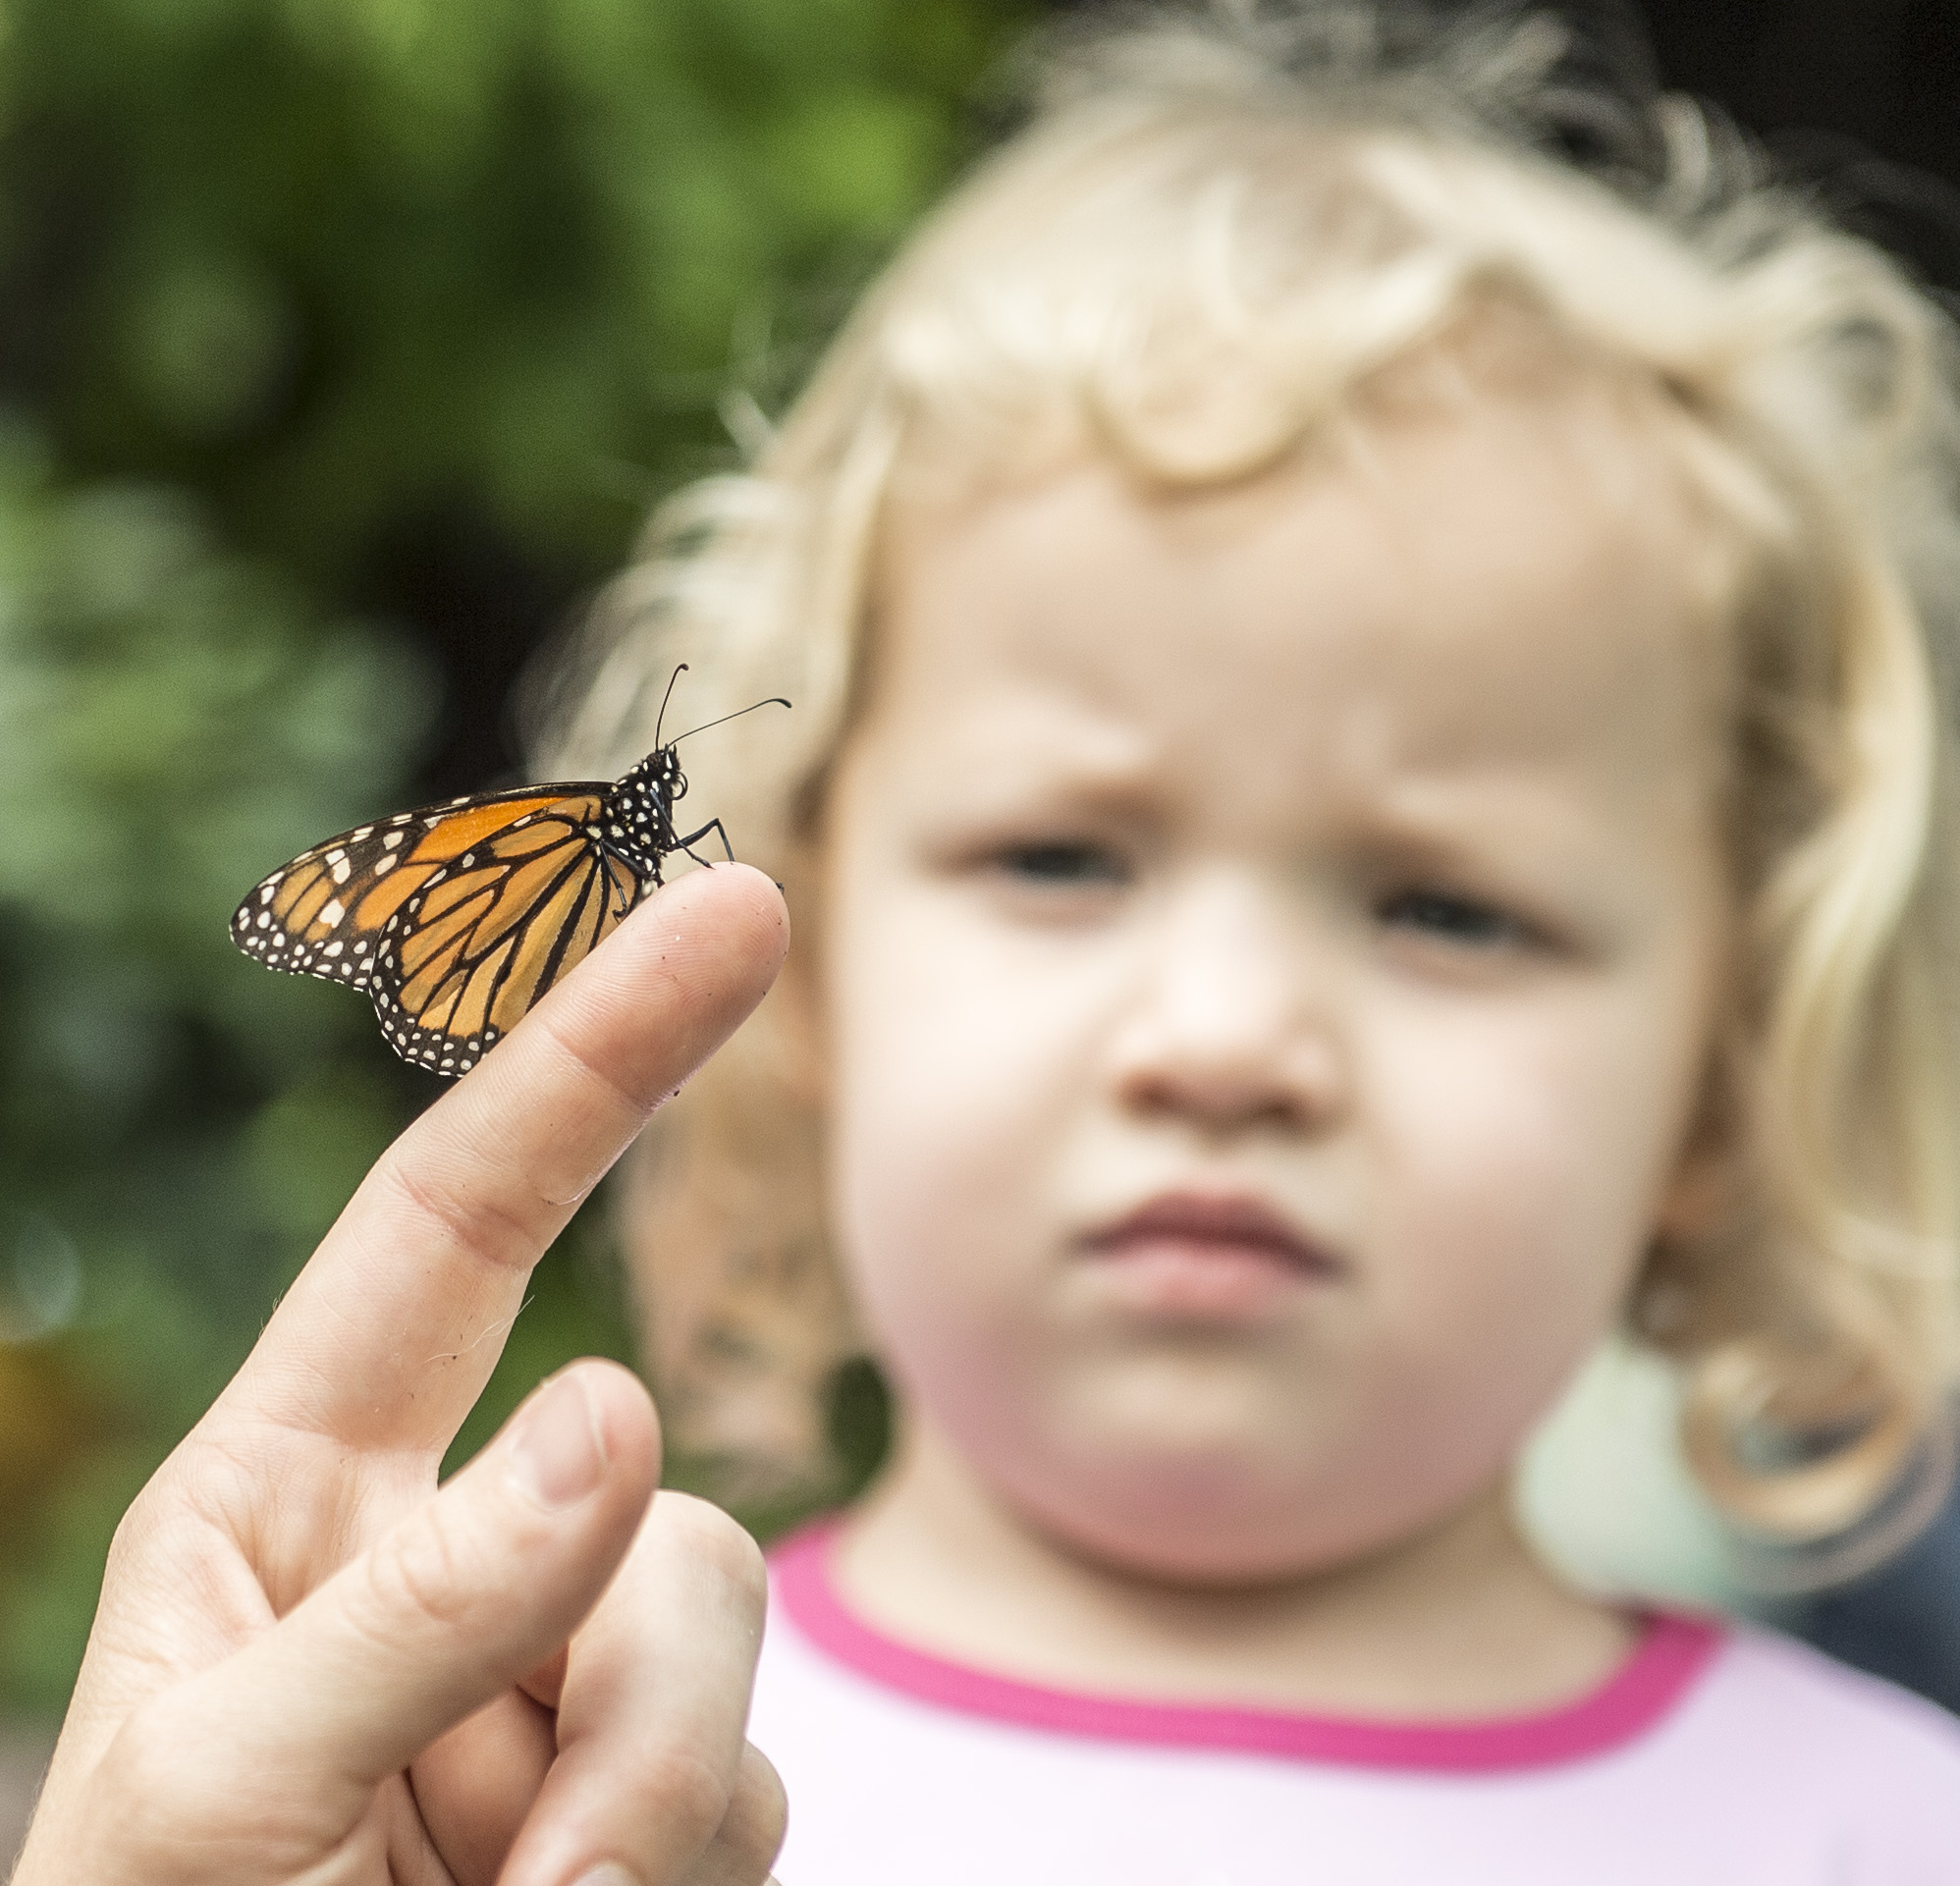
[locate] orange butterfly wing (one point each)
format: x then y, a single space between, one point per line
454 918
486 935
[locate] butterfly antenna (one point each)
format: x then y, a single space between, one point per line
680 667
775 700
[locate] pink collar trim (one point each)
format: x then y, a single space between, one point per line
1671 1653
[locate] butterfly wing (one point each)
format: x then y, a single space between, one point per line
325 913
484 936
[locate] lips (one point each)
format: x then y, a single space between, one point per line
1207 1256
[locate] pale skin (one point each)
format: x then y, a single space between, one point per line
307 1665
1345 842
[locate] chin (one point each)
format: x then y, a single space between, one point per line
1197 1512
1202 1521
1195 1557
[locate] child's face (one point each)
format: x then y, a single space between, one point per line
1273 938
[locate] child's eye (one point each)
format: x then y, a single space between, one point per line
1462 921
1065 864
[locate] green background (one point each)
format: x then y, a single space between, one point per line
344 345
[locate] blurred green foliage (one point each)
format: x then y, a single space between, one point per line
281 281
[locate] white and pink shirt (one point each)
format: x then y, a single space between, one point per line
1715 1756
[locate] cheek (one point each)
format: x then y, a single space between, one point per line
941 1064
1546 1142
951 1079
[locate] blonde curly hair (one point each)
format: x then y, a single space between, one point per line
1218 234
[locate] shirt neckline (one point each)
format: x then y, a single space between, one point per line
1672 1651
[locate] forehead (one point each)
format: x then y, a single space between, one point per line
1510 577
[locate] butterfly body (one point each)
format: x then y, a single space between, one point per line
457 918
639 814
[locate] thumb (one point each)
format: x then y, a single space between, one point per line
477 1586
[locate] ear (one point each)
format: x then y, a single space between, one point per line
1702 1191
1699 1197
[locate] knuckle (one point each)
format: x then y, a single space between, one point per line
759 1818
419 1575
690 1795
605 1087
482 1223
750 1836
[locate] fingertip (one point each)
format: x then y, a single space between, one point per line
641 1013
709 945
627 1422
741 904
587 1428
697 1533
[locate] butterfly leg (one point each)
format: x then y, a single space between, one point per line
686 844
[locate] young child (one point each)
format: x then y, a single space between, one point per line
1367 806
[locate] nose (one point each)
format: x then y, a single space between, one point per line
1233 1027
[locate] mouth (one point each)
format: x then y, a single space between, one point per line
1208 1257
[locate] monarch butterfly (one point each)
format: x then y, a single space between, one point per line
457 918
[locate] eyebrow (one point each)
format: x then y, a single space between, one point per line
1083 753
1101 763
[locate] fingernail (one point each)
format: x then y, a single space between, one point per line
557 1455
607 1874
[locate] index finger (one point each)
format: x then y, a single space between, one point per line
388 1336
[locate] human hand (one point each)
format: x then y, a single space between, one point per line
307 1665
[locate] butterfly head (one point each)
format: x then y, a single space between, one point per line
640 807
658 775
